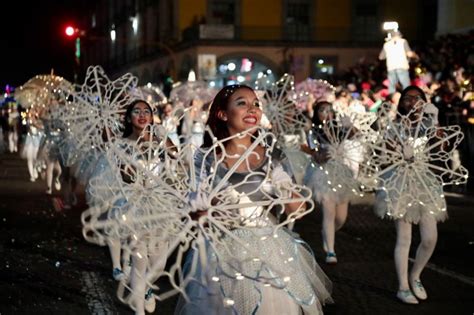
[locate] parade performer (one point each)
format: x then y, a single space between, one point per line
411 164
286 119
13 125
139 118
170 122
330 176
31 149
49 152
248 263
137 123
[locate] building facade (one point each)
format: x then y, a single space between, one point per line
227 41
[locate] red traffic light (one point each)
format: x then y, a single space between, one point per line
70 31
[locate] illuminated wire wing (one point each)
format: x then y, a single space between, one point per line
279 106
93 113
310 91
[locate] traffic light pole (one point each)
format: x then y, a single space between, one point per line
78 58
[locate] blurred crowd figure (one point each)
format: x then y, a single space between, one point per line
396 52
13 126
10 129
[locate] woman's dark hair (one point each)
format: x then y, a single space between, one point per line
161 110
220 103
316 106
128 127
401 109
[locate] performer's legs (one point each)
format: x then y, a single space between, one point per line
401 262
429 236
138 278
30 160
157 255
49 176
341 214
402 249
35 159
115 255
15 141
11 145
329 217
57 182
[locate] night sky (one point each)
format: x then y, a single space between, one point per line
33 39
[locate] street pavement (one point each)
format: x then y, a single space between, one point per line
48 267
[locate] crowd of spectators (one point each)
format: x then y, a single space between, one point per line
444 69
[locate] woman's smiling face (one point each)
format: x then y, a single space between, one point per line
243 111
141 116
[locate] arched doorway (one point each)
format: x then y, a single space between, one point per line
243 68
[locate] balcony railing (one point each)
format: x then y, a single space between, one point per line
288 33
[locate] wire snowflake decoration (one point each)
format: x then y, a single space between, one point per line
311 91
410 162
237 215
184 93
158 206
127 175
279 106
94 110
152 94
41 94
343 146
361 120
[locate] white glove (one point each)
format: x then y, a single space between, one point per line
279 177
433 111
199 201
346 121
233 196
408 152
281 182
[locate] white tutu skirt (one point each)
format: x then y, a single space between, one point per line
49 148
32 145
102 183
332 180
174 138
69 153
197 135
106 202
85 167
298 162
285 279
410 199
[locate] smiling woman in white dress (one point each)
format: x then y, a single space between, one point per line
236 110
